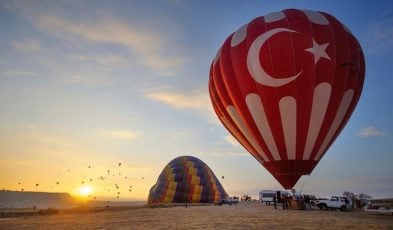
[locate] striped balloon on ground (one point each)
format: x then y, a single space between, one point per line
186 179
285 85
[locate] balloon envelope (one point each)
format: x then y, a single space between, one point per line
285 85
186 178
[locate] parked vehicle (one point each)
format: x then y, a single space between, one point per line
228 200
267 196
245 198
335 202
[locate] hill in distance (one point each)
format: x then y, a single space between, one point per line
41 200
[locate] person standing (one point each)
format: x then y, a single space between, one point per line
275 201
307 202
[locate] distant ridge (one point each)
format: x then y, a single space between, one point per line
41 200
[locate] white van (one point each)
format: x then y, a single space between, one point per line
266 196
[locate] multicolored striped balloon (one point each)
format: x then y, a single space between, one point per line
285 85
186 179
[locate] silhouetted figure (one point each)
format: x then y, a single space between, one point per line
275 202
307 202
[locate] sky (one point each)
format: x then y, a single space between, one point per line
86 85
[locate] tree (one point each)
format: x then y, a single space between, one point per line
358 200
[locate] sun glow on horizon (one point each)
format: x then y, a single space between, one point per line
85 190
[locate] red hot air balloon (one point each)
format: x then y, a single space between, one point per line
285 85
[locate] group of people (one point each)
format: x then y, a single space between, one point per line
285 200
281 198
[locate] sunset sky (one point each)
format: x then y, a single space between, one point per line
98 83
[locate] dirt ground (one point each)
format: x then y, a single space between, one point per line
241 216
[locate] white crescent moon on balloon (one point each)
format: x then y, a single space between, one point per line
253 61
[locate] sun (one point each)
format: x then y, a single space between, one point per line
85 190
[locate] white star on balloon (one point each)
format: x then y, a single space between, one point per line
318 51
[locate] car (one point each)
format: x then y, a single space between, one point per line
335 202
228 200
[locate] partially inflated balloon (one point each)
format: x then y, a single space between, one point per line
186 179
285 85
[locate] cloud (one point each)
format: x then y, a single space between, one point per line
231 140
378 35
31 126
16 73
102 59
219 153
150 46
196 101
370 131
121 135
89 80
26 46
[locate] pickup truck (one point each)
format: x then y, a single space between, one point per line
335 202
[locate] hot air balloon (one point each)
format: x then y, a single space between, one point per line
284 85
186 178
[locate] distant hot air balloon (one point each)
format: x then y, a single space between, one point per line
119 164
285 85
186 178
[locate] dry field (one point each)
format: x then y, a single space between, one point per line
241 216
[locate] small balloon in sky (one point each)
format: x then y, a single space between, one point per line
119 164
37 185
83 182
57 183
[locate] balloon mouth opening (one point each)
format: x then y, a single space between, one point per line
288 172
